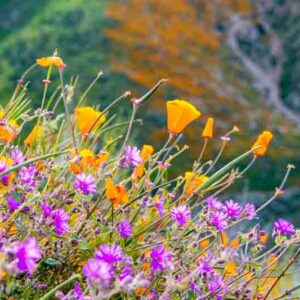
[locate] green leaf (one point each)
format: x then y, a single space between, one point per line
84 245
52 262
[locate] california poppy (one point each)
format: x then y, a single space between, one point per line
193 182
262 142
180 114
207 132
8 130
88 119
117 194
48 61
33 135
146 152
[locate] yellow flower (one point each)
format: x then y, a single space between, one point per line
263 142
207 132
193 182
33 135
88 119
234 243
204 243
180 114
230 268
8 131
48 61
117 194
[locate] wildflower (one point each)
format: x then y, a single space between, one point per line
262 142
61 221
88 119
125 229
193 182
48 61
17 156
85 183
249 211
181 215
218 220
230 268
283 227
46 209
27 254
8 129
160 205
213 203
160 258
33 136
27 176
180 114
216 283
146 152
207 132
12 203
109 254
232 209
117 194
98 271
130 158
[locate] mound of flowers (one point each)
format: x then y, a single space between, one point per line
86 214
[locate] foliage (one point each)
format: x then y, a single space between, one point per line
86 215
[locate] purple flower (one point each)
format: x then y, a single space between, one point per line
250 211
3 167
17 156
28 253
181 215
232 209
61 221
12 203
98 271
46 209
218 220
283 227
109 254
160 258
125 229
85 183
27 176
78 293
160 205
213 203
126 273
216 283
131 157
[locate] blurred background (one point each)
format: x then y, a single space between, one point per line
236 60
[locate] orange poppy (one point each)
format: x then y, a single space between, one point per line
33 135
207 132
146 152
180 114
117 194
88 119
48 61
263 142
193 182
8 131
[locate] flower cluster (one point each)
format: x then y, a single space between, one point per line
87 215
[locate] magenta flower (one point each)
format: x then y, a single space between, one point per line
98 271
17 156
232 209
28 253
160 205
85 184
160 258
27 176
181 215
46 209
131 157
218 220
283 227
109 254
12 203
213 203
61 221
249 211
125 229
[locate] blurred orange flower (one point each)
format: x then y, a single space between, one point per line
146 152
48 61
8 131
33 135
88 119
193 182
117 194
207 132
180 114
263 142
